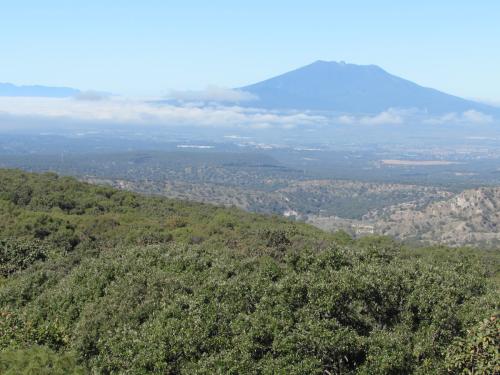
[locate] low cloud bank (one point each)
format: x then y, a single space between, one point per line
92 96
212 94
389 117
98 108
471 117
126 111
394 116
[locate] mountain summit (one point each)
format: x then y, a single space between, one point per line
342 87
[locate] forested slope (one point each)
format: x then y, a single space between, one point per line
96 280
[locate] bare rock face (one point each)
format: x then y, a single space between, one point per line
471 217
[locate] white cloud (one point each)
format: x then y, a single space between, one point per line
22 111
212 94
346 119
467 117
128 111
389 117
394 116
477 117
91 96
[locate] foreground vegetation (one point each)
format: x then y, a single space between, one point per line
103 281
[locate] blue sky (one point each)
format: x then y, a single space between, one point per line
149 47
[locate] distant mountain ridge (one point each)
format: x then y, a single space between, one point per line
9 89
350 88
324 86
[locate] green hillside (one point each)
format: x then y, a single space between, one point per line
101 281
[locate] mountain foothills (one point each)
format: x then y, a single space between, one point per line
351 88
103 281
451 213
472 216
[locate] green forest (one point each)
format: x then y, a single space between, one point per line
95 280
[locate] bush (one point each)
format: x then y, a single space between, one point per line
38 360
478 352
153 285
17 255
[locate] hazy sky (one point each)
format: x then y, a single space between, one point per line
148 47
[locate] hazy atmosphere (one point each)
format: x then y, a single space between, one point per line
249 188
146 49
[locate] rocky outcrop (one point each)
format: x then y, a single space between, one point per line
471 217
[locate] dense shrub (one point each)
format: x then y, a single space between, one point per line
38 360
479 351
133 284
16 255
